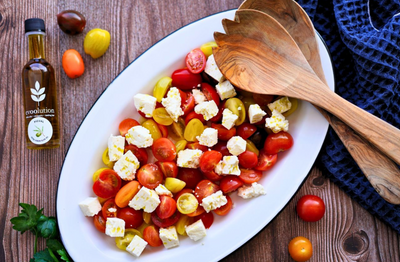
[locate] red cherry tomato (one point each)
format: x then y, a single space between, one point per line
225 209
263 100
151 236
164 149
127 124
200 210
196 145
222 148
165 222
230 183
246 130
168 168
150 176
212 176
163 130
218 117
206 218
133 218
265 161
278 142
107 185
204 189
210 93
166 208
209 160
185 80
140 153
190 176
223 133
310 208
188 104
192 115
248 159
250 176
109 208
196 61
99 223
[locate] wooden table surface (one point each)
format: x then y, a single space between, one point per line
346 233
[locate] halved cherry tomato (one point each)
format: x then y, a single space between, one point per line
150 176
230 183
188 104
108 184
176 130
166 208
164 130
109 208
161 116
195 61
300 249
168 168
187 203
180 145
248 159
144 115
182 223
310 208
192 115
222 148
204 189
165 222
237 107
190 176
209 160
152 126
174 184
196 145
99 223
151 236
210 93
185 80
251 147
164 149
140 153
193 129
250 176
129 234
263 100
161 87
127 124
246 130
266 161
183 191
126 193
200 210
212 176
206 218
225 209
133 218
223 133
278 142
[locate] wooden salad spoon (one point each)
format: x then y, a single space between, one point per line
276 65
382 173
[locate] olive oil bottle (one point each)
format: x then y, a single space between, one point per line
40 93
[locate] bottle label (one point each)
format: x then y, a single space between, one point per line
40 130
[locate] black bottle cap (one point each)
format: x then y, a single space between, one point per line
34 24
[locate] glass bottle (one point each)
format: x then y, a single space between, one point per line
40 92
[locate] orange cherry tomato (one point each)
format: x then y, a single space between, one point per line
72 63
225 209
151 236
127 124
300 249
126 193
164 149
99 222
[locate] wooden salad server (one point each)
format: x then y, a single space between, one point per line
276 65
382 173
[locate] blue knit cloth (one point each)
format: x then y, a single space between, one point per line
363 38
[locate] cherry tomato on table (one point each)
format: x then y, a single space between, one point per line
278 142
300 249
133 218
310 208
108 184
72 63
185 80
195 61
150 176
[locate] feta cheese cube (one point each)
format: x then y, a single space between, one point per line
225 90
139 136
228 118
281 105
145 103
116 145
236 145
126 166
208 109
196 231
161 190
209 137
255 113
199 97
169 237
229 165
90 206
172 103
254 190
214 201
136 246
189 158
145 199
115 227
212 69
277 122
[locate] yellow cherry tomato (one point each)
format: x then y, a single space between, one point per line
294 103
251 147
180 145
72 63
161 116
187 203
237 107
147 217
300 249
106 159
130 233
174 184
177 129
207 48
152 126
96 42
97 173
182 223
193 129
161 88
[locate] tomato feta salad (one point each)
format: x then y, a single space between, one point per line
209 140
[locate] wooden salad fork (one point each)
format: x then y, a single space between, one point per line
381 171
270 62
